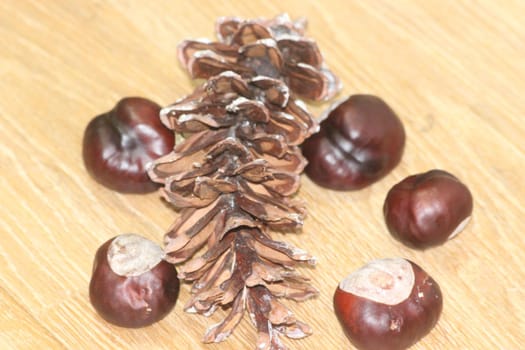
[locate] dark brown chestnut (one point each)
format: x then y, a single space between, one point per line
131 285
118 145
389 304
359 142
427 209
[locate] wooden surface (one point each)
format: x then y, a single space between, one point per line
453 70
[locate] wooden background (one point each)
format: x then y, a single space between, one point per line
453 70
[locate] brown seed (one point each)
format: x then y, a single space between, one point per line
131 285
427 209
388 304
360 141
119 145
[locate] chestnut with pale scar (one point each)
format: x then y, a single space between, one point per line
131 284
388 304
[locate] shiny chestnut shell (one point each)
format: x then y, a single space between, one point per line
118 145
372 325
359 142
427 209
133 298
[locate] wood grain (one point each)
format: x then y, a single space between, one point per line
453 70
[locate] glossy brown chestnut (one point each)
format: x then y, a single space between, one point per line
427 209
131 285
119 144
360 141
389 304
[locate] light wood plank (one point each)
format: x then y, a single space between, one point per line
453 70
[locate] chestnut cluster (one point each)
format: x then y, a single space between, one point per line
360 141
389 303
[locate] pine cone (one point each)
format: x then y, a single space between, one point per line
273 48
233 177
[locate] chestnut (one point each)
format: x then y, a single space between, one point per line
131 285
389 304
119 144
359 142
427 209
